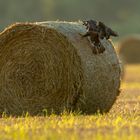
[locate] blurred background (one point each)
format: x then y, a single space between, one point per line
121 15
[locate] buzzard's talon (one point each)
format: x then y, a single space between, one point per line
94 50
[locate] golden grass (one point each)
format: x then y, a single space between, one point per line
132 74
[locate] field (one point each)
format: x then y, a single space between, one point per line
122 122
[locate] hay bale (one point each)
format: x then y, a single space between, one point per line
129 49
48 65
39 68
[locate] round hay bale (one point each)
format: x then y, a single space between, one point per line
47 65
129 49
39 69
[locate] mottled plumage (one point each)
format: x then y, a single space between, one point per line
95 32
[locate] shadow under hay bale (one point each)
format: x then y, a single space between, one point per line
48 66
129 49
